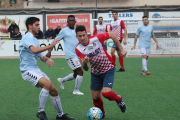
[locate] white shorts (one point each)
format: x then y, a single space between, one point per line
74 63
145 51
33 76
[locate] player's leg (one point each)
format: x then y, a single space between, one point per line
78 74
96 86
144 54
147 56
113 49
121 59
105 45
55 99
68 77
36 78
108 80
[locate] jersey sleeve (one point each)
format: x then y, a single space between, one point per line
122 24
27 42
138 31
110 27
95 29
106 29
103 36
79 54
60 35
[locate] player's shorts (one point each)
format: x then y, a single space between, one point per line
74 63
145 51
98 81
115 46
33 76
105 45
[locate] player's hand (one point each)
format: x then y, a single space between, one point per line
124 41
134 47
123 53
86 59
157 46
54 42
105 41
50 62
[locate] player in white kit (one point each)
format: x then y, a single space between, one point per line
101 28
68 35
29 51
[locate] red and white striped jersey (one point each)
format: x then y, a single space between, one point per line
100 29
116 27
99 59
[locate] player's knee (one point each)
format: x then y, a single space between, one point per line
47 85
53 91
112 53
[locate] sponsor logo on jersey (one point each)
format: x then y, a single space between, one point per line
94 44
94 53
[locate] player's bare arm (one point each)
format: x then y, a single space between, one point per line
116 41
125 35
36 50
135 41
155 40
48 61
85 63
49 53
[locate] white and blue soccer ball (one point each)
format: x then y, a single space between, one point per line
94 113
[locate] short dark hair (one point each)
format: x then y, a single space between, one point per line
31 21
144 16
114 12
80 28
71 16
100 17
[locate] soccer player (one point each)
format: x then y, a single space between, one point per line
29 51
145 32
101 28
117 26
91 49
68 34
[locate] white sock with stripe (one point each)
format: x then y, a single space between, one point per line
68 77
57 105
78 82
144 64
43 96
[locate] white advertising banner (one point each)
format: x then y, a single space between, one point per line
130 25
166 46
165 26
11 47
5 22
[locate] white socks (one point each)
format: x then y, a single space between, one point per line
144 64
78 82
68 78
57 105
42 99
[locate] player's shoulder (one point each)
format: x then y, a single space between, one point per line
28 36
150 26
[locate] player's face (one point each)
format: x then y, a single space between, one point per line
145 21
82 37
71 22
100 20
115 16
35 27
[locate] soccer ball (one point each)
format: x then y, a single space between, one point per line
94 113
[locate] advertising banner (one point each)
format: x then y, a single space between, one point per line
165 26
130 25
5 22
81 19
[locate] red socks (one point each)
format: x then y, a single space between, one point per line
112 96
99 103
114 58
121 62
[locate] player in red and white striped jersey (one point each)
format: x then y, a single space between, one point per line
117 26
91 49
101 28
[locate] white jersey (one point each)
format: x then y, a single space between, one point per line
100 29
